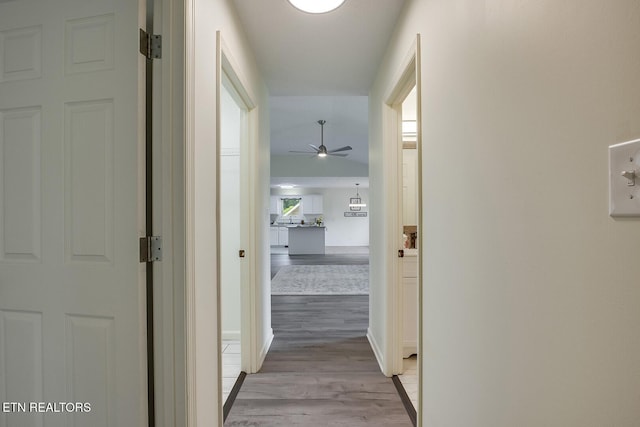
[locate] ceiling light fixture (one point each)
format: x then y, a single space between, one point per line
355 203
316 6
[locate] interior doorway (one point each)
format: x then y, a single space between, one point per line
237 257
233 213
408 280
402 118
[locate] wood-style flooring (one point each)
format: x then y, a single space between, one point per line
320 370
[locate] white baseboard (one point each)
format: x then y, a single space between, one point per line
265 349
231 335
409 348
376 349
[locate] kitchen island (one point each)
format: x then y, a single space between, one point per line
306 239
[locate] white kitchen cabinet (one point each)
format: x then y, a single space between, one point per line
307 204
410 303
312 204
274 205
317 203
283 236
278 236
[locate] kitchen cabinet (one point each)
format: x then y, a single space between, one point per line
306 240
410 302
283 236
274 205
312 204
278 236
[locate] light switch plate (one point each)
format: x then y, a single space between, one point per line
624 199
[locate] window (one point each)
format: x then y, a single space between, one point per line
291 207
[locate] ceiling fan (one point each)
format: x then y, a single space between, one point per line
322 151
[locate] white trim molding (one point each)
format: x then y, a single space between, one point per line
265 348
407 76
189 185
376 348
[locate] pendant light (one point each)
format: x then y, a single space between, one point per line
355 203
316 6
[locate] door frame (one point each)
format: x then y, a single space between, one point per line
406 78
227 72
203 362
168 217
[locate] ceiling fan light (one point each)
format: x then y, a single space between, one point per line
321 154
316 6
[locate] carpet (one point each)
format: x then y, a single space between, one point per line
321 280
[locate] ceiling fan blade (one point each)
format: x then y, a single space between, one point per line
339 155
302 152
314 147
345 148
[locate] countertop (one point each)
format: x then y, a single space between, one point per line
297 225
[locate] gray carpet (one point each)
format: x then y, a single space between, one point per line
321 280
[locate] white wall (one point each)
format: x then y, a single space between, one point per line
531 291
341 231
303 165
204 18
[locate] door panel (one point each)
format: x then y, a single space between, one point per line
71 209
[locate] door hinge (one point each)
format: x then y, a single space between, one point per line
150 45
150 249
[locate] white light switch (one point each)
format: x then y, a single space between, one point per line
624 179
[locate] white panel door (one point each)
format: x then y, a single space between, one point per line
72 293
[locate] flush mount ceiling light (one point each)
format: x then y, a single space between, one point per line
316 6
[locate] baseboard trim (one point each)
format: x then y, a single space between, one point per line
265 349
376 349
231 335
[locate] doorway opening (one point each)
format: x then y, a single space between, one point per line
408 164
233 214
402 118
236 236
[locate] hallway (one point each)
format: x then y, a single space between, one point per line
320 370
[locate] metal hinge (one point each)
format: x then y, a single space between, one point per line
150 45
150 249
